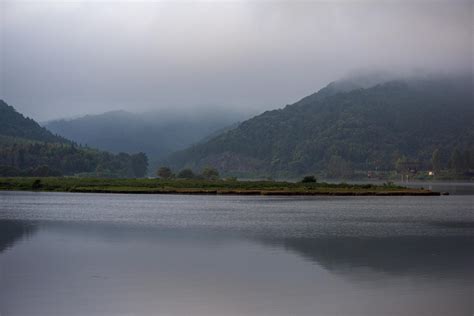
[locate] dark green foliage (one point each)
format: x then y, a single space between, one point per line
44 171
186 174
309 179
139 164
36 184
8 171
165 173
389 184
76 184
460 162
336 132
210 173
436 160
26 149
155 133
339 168
69 160
14 124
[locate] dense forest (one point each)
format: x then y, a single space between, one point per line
344 129
13 124
157 134
27 149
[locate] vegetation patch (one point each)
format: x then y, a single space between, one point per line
201 186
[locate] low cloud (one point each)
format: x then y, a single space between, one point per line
63 58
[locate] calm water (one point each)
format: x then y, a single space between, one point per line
94 254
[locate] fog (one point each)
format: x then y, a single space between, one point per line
69 58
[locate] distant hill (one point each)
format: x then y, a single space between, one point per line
156 133
15 125
346 126
27 149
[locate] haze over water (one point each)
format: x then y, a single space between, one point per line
342 89
94 254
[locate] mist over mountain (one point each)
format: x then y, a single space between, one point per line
348 125
27 149
14 125
156 133
67 58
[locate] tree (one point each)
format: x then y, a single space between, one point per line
45 171
139 164
369 128
400 164
164 173
339 168
436 160
210 173
466 157
9 171
186 174
457 162
309 179
36 184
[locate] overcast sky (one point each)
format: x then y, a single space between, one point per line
67 58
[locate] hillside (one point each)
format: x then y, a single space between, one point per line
14 125
344 128
27 149
156 133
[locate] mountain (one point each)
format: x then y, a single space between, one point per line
14 125
27 149
156 133
344 127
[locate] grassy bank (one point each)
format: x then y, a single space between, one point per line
159 186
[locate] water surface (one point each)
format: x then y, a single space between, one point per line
99 254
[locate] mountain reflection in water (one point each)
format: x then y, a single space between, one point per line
435 256
399 256
13 231
93 254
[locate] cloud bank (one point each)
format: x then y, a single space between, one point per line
66 58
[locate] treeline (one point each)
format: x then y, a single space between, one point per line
55 159
460 161
456 163
15 124
339 133
208 173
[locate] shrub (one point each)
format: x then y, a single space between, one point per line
186 174
36 184
309 179
165 173
210 174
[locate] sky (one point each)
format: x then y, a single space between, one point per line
69 58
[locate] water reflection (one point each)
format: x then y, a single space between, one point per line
434 256
177 255
142 270
454 188
447 256
14 231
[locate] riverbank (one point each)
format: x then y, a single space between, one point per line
222 187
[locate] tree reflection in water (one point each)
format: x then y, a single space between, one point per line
12 231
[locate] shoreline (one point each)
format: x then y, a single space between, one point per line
246 192
205 187
264 193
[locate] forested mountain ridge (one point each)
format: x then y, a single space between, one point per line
157 133
15 125
346 128
27 149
